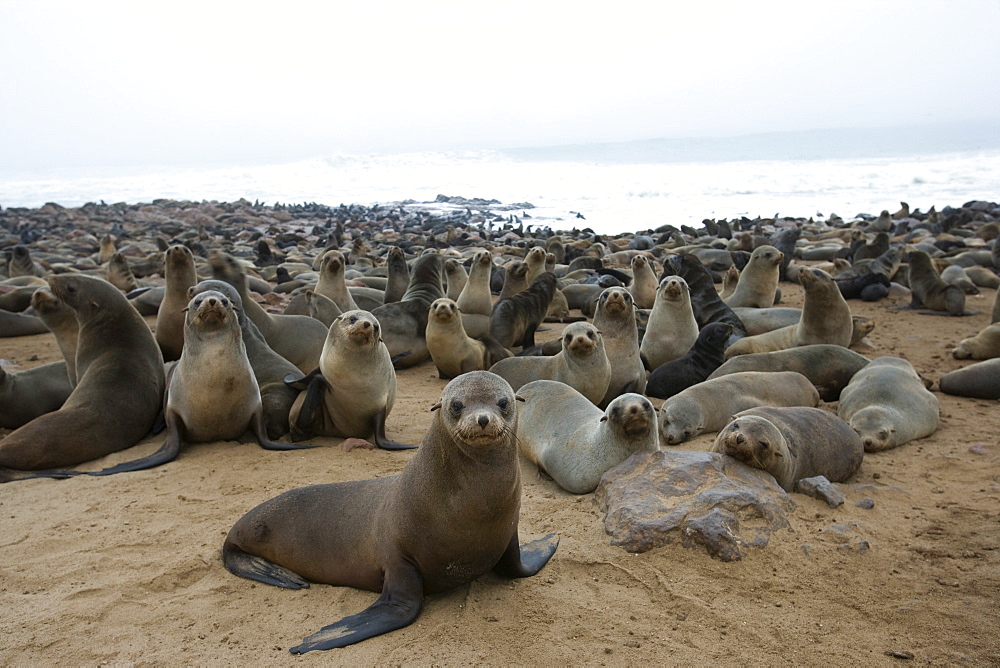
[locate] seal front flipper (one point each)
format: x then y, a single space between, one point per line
167 453
384 442
398 606
522 561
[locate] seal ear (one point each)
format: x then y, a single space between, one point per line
435 406
517 398
604 418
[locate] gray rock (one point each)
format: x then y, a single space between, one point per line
866 503
820 488
702 499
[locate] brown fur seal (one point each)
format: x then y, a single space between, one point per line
449 517
672 328
515 280
353 390
644 284
955 275
887 404
331 281
706 355
582 364
404 323
475 298
535 261
20 324
514 320
455 278
118 392
983 346
828 367
21 264
398 273
269 368
321 307
615 320
119 274
297 338
980 380
454 352
61 321
995 313
27 394
758 280
929 291
212 394
826 318
564 434
707 406
792 444
180 275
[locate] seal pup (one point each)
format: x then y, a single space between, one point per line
983 346
980 381
672 328
574 442
759 279
707 406
826 318
792 443
119 388
644 284
582 364
61 320
514 320
353 390
887 404
828 367
705 301
454 352
297 338
212 394
615 320
180 275
929 291
450 516
269 368
28 394
475 298
706 355
404 323
332 283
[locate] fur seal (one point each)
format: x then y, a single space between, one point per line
929 291
644 285
27 394
119 388
514 280
475 298
321 307
535 261
269 368
212 394
980 380
887 404
454 352
61 321
615 320
582 364
826 318
709 405
331 281
828 367
514 320
404 323
955 275
450 516
353 390
398 273
455 278
792 444
564 434
297 338
705 301
20 324
21 263
983 346
119 274
180 275
672 328
758 280
706 355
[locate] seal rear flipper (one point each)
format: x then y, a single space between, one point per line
300 382
159 424
167 453
252 567
260 433
398 356
10 475
384 442
398 606
522 561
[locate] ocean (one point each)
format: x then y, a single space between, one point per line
609 188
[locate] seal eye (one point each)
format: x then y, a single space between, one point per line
354 319
763 444
569 337
456 407
502 404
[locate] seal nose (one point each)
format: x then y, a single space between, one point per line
868 441
740 439
366 324
212 301
483 421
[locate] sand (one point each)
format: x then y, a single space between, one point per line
126 569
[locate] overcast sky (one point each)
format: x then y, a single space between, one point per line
99 82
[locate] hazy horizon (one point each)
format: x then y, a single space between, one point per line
101 83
